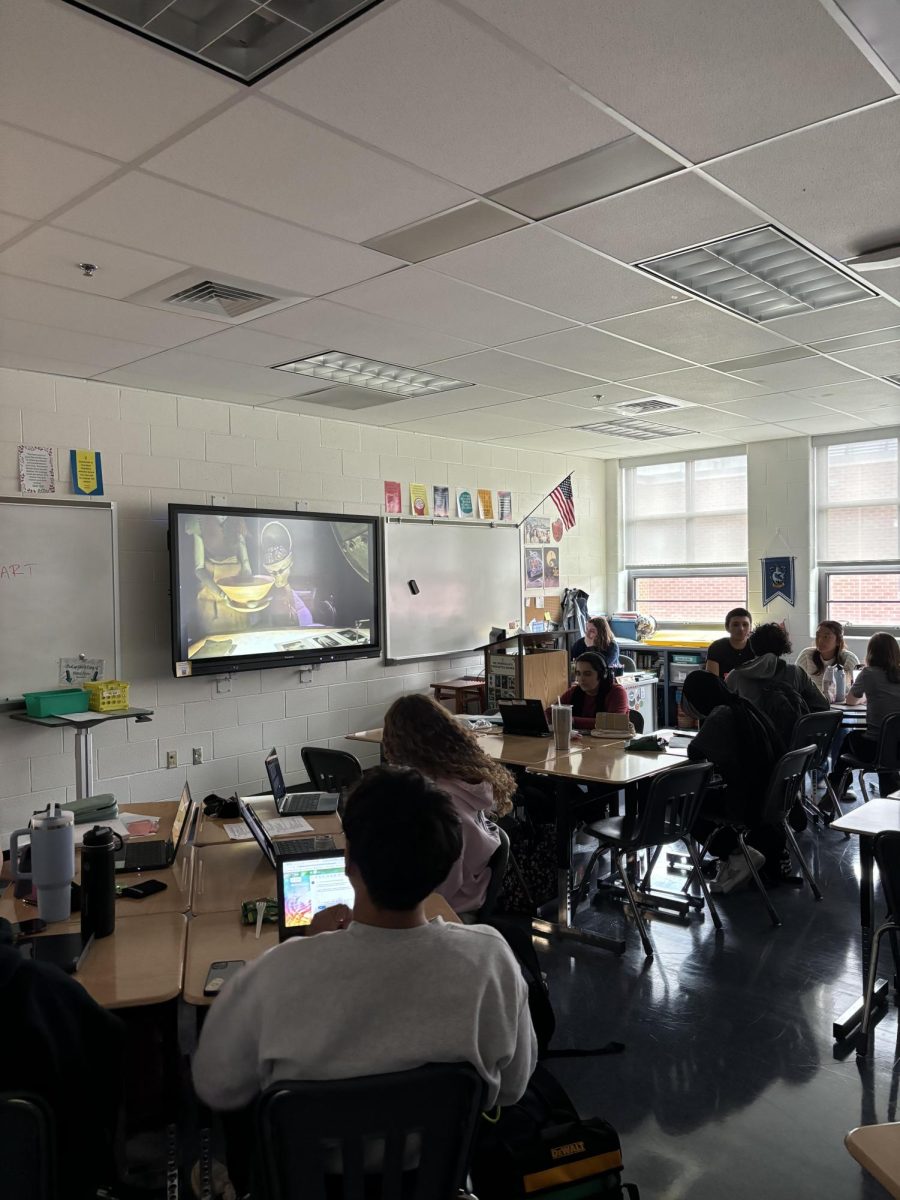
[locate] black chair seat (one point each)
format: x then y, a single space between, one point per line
612 829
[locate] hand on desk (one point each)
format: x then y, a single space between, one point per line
338 916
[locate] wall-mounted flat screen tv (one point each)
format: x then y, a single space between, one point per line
255 588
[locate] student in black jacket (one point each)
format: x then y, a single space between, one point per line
61 1046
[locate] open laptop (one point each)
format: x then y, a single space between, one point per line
154 856
292 804
524 718
306 884
274 851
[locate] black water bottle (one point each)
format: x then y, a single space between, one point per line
98 882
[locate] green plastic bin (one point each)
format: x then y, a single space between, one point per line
57 702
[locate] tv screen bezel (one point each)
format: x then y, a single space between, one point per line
276 658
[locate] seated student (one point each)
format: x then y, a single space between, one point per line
595 690
380 989
597 637
783 692
829 651
743 745
724 654
62 1047
420 733
878 683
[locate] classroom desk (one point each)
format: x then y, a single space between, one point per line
877 1149
141 963
210 831
225 876
867 821
220 937
462 692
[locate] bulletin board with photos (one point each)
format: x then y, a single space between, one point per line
541 557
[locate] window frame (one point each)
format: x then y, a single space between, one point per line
851 628
672 572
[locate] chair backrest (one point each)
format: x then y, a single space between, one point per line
330 770
887 856
423 1119
499 864
671 805
637 720
784 783
626 661
817 729
889 743
28 1150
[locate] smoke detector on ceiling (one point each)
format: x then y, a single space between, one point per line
217 297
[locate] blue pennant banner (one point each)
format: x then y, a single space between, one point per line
778 579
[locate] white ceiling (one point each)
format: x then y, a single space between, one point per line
117 152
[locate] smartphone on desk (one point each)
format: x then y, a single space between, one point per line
219 973
24 929
65 950
139 891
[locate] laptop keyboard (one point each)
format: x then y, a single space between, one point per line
297 802
303 845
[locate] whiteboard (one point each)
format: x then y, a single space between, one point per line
59 594
469 579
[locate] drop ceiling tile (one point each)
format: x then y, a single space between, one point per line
472 222
46 364
877 360
786 406
537 266
152 214
422 297
596 353
496 369
26 300
888 282
544 411
52 255
695 331
253 347
398 411
827 423
762 433
602 395
703 420
474 425
275 161
810 182
67 74
859 340
797 373
772 66
356 332
39 175
506 120
552 441
185 373
861 317
699 384
848 397
660 218
27 339
11 227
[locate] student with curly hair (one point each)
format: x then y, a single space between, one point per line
420 733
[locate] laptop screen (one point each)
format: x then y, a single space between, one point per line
184 807
253 823
308 884
276 779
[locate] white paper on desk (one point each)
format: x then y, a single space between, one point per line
81 718
274 828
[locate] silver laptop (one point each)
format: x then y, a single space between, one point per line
293 804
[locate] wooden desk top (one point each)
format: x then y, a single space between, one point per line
877 1149
226 876
220 937
210 831
460 685
878 816
366 735
141 963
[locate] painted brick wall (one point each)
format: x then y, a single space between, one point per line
159 449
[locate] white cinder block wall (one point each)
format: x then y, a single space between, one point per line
159 449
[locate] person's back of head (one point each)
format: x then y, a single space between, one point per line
756 739
884 653
770 639
402 837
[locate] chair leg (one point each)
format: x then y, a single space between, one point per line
773 915
804 865
698 870
632 900
654 858
692 851
863 1044
863 788
581 890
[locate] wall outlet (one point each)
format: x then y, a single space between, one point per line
171 758
198 755
223 685
218 500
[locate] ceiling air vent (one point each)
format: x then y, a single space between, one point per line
638 431
652 404
220 297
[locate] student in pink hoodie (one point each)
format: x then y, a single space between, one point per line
420 733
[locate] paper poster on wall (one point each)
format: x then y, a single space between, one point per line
534 570
36 476
551 568
504 505
418 499
80 670
537 531
393 497
464 507
441 501
87 472
485 504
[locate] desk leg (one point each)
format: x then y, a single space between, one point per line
84 762
564 925
851 1017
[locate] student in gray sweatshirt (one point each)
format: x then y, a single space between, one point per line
380 988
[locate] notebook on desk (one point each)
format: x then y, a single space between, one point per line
308 883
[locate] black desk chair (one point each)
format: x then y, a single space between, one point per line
297 1123
330 770
887 859
27 1161
819 729
637 720
665 815
887 756
499 865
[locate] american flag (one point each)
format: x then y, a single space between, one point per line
563 499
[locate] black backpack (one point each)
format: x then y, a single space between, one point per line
540 1149
782 704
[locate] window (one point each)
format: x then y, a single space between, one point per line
858 527
686 538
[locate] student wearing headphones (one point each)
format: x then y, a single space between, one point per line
595 691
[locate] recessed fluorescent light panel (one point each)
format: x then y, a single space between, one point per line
245 39
879 23
638 431
338 368
761 274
